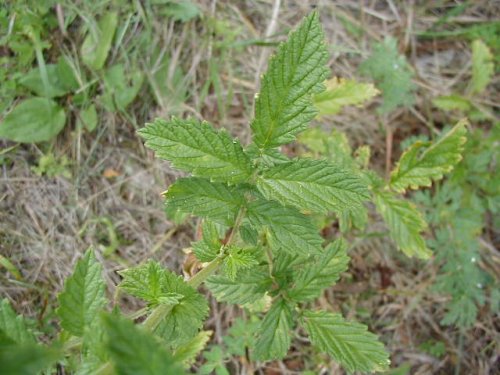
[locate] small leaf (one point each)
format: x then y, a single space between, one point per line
96 46
312 278
483 67
183 10
137 352
198 148
405 224
248 286
284 105
274 334
14 326
33 120
187 353
209 247
314 185
349 343
340 93
120 89
236 260
33 81
200 197
419 165
87 118
83 296
286 228
452 102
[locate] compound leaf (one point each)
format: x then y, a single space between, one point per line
135 351
342 92
312 278
284 106
236 260
314 185
482 66
405 224
83 295
416 168
14 326
349 343
200 197
274 336
198 148
287 229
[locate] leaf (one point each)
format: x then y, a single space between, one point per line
284 106
135 351
151 283
26 358
483 67
274 336
342 92
200 197
198 148
392 75
314 185
187 353
83 296
120 89
418 168
183 10
33 120
286 228
33 81
87 118
14 326
248 286
405 224
236 260
452 102
208 248
97 43
349 343
186 317
312 278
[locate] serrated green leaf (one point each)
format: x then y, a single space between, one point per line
284 105
419 166
248 286
198 148
13 325
483 67
33 120
26 358
342 92
349 343
405 224
151 283
274 335
97 43
236 260
186 317
392 75
286 228
314 185
200 197
187 353
322 273
83 296
135 351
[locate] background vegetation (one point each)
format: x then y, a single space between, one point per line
80 77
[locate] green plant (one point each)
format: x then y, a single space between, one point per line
259 241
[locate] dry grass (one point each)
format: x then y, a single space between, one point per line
47 223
